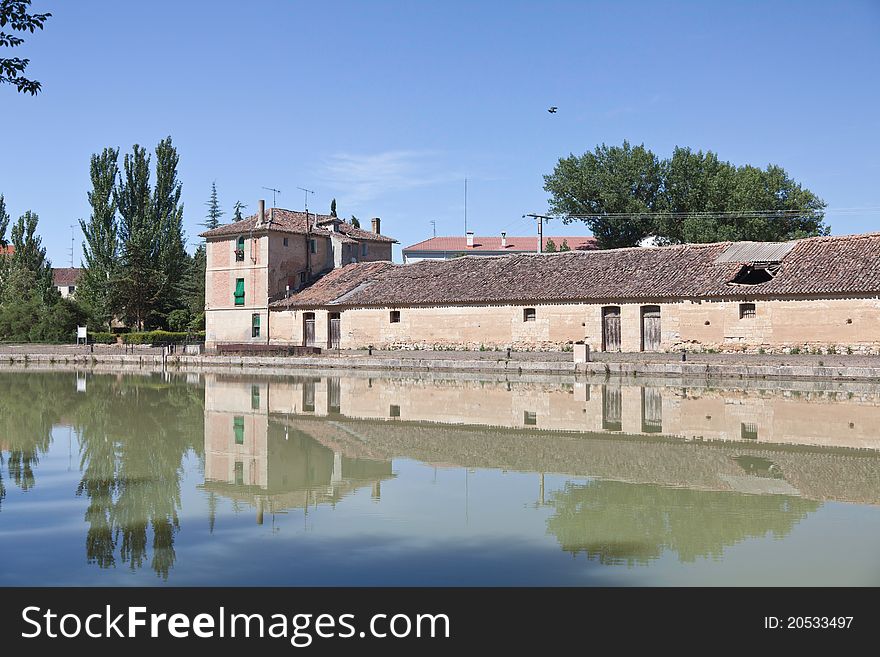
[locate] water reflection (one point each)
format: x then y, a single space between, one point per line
640 470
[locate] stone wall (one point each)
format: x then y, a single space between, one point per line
777 326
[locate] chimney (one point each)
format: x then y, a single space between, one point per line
261 212
470 238
503 239
377 222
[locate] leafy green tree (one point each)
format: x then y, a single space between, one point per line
212 219
625 194
168 218
602 185
14 13
178 320
236 211
138 281
564 246
100 247
30 271
355 222
194 283
333 208
550 246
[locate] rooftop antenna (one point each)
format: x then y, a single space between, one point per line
274 191
306 193
72 244
434 226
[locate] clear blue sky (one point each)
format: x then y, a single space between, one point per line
388 106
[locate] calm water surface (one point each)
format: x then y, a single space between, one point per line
215 479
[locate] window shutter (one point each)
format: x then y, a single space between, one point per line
239 292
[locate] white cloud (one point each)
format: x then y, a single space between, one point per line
364 177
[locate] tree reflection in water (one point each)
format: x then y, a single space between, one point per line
622 523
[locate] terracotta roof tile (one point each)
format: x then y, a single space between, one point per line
527 244
335 284
824 265
289 221
65 276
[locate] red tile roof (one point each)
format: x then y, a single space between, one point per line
289 221
335 284
528 244
7 250
846 265
65 276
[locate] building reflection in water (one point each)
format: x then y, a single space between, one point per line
671 468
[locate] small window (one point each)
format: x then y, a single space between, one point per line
238 429
313 245
746 311
255 398
71 289
364 250
530 418
286 243
239 473
529 315
255 325
239 291
239 249
302 278
395 317
394 410
748 431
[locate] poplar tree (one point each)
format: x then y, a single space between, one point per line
212 220
138 283
100 248
167 213
4 221
30 272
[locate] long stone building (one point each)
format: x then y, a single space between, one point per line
816 294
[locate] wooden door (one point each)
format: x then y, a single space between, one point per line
652 410
650 328
333 342
612 407
611 328
309 329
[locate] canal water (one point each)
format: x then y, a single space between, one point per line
220 479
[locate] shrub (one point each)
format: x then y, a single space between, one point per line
178 320
102 337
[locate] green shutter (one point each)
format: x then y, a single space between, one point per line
238 430
239 291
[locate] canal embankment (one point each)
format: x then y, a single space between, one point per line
831 367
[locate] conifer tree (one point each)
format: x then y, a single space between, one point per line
333 208
212 220
236 211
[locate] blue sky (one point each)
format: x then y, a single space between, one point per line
388 106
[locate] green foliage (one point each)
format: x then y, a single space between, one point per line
212 219
355 222
627 194
4 221
29 272
333 208
137 282
161 337
194 282
178 320
102 337
100 247
564 246
168 219
550 246
236 211
14 13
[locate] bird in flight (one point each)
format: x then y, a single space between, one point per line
553 109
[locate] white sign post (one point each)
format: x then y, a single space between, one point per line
82 335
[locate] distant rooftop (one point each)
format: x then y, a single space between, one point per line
514 244
291 221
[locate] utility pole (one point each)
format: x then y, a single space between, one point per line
434 226
274 191
540 218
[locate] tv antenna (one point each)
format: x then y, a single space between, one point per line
434 226
274 191
72 243
306 194
540 218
